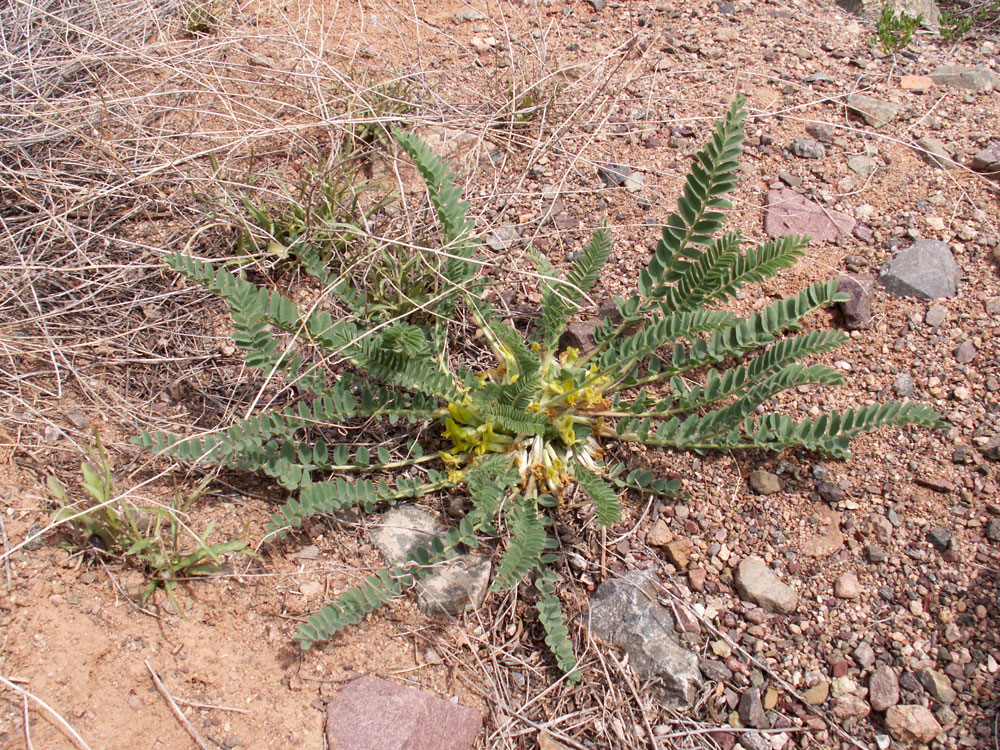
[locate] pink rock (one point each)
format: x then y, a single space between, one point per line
790 213
913 723
374 714
847 586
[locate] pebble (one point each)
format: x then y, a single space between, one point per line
883 688
806 148
847 586
817 694
937 685
756 581
965 353
751 710
864 655
936 315
876 555
764 482
875 112
903 387
831 493
940 538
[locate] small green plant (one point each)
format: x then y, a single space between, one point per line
202 16
375 109
955 24
895 32
320 225
154 537
671 371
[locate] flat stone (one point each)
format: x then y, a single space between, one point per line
503 238
935 153
912 723
864 655
916 83
470 14
875 112
857 311
965 77
883 688
965 352
926 270
992 448
374 714
614 175
817 694
830 538
790 213
660 535
937 685
453 587
679 552
756 581
754 741
940 538
847 586
862 165
850 706
806 148
624 612
751 710
988 160
821 131
936 315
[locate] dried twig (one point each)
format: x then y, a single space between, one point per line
60 721
174 708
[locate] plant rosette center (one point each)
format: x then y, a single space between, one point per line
566 395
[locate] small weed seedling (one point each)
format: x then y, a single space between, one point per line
154 537
955 24
672 370
895 32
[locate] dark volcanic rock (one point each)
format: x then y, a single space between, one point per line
857 311
926 270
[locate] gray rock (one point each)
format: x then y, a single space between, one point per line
965 352
903 386
864 655
470 14
751 710
926 270
937 685
875 554
715 670
806 148
756 581
935 153
831 493
862 165
965 77
857 311
764 482
374 714
614 175
790 213
452 587
992 448
993 530
503 238
936 315
625 613
875 112
940 539
883 688
597 5
821 131
988 160
754 741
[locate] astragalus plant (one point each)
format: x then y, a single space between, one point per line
672 370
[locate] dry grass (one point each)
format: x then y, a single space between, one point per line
123 136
